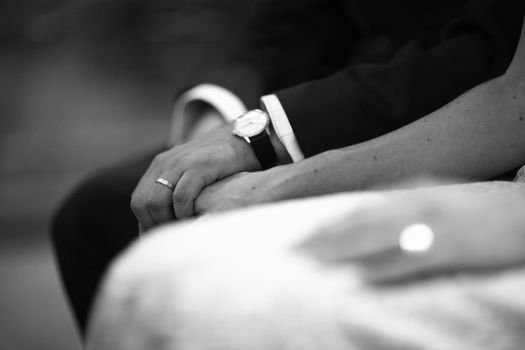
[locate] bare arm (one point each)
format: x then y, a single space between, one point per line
479 135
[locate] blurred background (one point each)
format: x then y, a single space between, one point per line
84 84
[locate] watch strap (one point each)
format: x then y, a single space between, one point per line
263 149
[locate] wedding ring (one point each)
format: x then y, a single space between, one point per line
166 183
416 239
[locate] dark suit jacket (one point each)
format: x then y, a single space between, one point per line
349 71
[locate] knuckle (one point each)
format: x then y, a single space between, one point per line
180 197
153 204
192 161
156 159
135 205
160 158
184 163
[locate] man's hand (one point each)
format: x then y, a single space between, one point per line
190 168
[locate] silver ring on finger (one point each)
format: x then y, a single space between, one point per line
165 183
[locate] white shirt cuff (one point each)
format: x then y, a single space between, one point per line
227 104
281 126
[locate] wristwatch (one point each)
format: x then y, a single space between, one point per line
253 127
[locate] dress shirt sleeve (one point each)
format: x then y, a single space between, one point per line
281 126
186 118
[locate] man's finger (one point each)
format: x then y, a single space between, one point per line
138 198
188 188
158 201
141 213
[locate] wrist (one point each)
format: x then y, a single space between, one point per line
254 128
243 150
284 182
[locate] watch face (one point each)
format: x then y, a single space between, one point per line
250 124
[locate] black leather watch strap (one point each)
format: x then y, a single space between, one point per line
264 151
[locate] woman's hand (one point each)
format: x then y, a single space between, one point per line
423 231
237 191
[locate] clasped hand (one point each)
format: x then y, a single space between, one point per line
190 168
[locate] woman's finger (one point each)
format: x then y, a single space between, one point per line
357 235
396 265
418 251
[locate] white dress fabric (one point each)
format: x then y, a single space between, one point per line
237 281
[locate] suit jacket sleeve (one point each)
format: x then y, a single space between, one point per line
299 49
364 101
